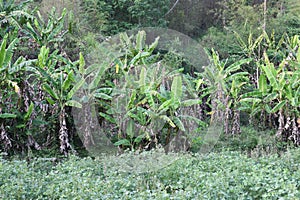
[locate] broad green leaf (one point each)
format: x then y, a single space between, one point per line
139 138
236 66
73 103
98 77
178 123
165 105
107 117
68 81
75 89
150 100
278 106
262 84
270 72
105 90
176 87
153 45
132 99
33 33
81 64
143 75
124 142
168 120
270 97
130 128
139 56
29 112
7 116
102 96
50 91
140 40
50 101
254 94
2 51
9 52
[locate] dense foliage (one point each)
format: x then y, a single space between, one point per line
253 72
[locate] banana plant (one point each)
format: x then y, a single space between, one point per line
278 91
6 80
13 15
60 85
47 33
151 97
94 93
13 109
222 85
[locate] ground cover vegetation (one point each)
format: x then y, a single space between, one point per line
54 60
225 175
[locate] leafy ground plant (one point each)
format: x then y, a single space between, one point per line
224 175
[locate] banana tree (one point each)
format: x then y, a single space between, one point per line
149 96
13 15
222 85
48 33
16 108
278 92
60 85
95 97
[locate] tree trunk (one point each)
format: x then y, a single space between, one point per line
63 133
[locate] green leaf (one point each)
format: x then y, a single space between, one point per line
124 142
153 45
255 94
29 112
270 73
143 76
107 117
68 81
75 88
270 97
262 84
50 101
168 120
9 51
7 116
73 103
2 51
50 91
140 40
130 128
102 96
176 87
81 64
150 100
178 123
98 77
278 106
165 105
236 66
139 138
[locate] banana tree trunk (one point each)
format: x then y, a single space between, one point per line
281 124
63 133
295 136
236 126
4 138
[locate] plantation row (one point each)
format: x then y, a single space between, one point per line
133 87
